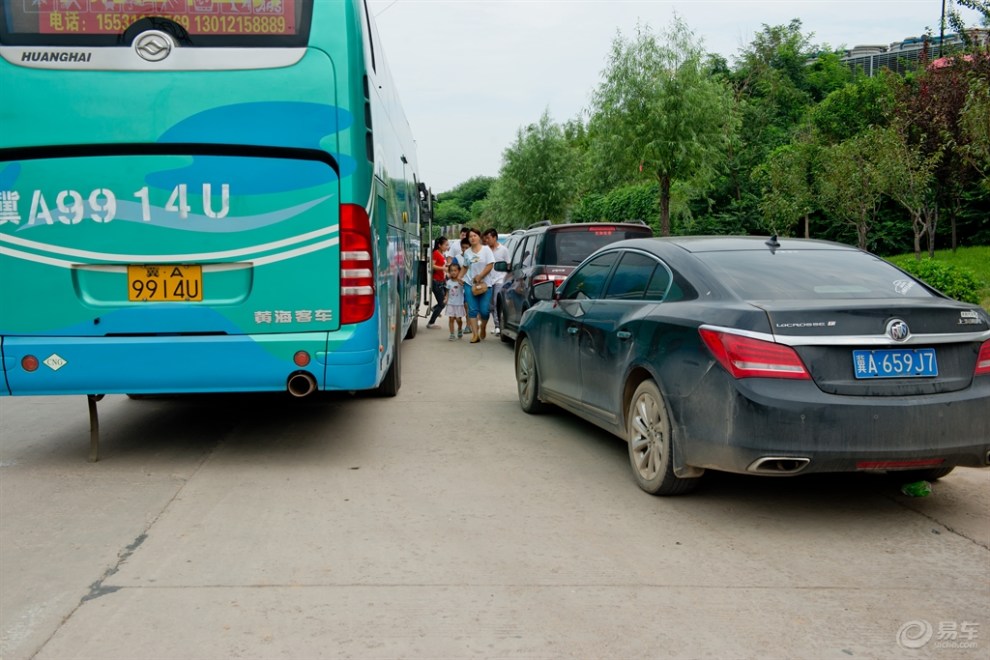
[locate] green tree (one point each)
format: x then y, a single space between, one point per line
469 192
787 180
931 106
910 181
772 97
827 74
450 213
957 23
852 109
659 111
851 182
975 127
538 179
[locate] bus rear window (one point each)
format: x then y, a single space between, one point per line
237 23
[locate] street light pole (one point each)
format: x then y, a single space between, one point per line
941 32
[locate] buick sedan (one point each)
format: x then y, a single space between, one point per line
768 357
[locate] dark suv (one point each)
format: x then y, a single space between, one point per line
549 253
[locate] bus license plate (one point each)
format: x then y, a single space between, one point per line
895 363
164 283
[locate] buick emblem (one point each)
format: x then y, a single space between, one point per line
898 330
153 46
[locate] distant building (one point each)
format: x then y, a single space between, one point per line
902 56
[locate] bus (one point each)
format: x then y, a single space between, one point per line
203 196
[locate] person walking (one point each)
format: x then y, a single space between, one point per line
500 253
455 250
477 289
437 281
454 300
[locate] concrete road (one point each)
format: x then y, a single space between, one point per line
448 523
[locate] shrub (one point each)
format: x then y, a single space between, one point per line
953 281
624 204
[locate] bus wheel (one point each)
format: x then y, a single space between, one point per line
393 377
413 328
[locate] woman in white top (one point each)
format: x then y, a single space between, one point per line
480 263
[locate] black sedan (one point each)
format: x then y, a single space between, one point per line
760 356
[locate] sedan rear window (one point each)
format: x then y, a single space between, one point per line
810 275
571 246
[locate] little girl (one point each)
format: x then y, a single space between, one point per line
454 300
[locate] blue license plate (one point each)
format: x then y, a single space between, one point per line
895 363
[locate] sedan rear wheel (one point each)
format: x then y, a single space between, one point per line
649 433
528 379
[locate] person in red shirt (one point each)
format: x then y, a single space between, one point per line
438 281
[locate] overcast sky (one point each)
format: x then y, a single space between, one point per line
472 72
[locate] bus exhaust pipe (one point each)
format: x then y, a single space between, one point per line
301 384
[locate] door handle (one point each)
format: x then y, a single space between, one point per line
623 334
572 330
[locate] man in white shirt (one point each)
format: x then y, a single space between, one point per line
501 253
454 250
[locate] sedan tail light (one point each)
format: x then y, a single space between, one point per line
983 360
745 357
542 277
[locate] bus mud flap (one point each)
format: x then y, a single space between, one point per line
94 427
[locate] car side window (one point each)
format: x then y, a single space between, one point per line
524 256
588 281
659 287
631 277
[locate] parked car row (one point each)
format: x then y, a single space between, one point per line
748 355
548 253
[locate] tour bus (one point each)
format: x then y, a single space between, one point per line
203 196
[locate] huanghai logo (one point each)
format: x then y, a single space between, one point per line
153 46
62 57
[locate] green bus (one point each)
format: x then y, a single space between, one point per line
203 196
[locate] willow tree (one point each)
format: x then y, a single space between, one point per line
659 111
538 179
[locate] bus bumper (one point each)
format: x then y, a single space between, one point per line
182 364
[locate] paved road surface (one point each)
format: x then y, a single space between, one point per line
447 523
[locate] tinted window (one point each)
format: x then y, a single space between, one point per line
589 280
571 246
659 285
234 23
632 276
523 258
810 275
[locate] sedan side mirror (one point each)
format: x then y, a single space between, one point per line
502 266
544 290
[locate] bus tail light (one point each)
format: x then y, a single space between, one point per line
357 269
744 357
29 363
983 360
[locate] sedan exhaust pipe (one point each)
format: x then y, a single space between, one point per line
779 465
301 384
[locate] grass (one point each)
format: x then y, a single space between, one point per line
974 259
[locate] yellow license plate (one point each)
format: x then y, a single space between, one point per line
164 283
